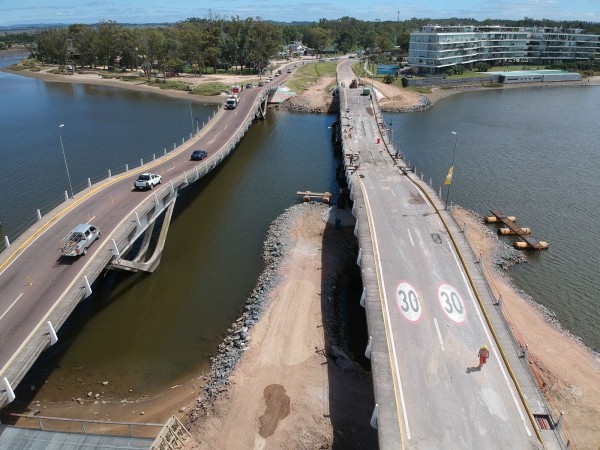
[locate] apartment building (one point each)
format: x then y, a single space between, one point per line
435 48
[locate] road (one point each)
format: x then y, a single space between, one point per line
34 275
433 324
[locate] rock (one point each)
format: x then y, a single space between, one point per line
89 394
104 383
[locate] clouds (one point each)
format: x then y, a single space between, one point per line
155 11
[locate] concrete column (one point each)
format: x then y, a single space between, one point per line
89 182
141 162
39 214
52 333
88 288
126 167
356 229
9 392
363 297
358 260
66 196
6 241
368 349
109 174
115 248
153 156
373 421
185 178
137 220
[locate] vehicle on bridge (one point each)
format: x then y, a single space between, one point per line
147 181
231 102
198 155
78 241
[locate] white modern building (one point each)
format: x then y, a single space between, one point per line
435 48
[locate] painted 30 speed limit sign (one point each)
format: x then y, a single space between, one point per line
408 302
452 303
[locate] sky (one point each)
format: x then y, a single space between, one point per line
17 12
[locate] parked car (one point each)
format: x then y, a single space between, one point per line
198 155
147 181
78 241
261 83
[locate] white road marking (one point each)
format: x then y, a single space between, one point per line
11 305
489 338
410 237
91 218
437 328
387 315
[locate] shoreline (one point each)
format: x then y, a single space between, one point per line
557 355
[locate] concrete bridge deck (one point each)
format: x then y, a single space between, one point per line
429 309
40 287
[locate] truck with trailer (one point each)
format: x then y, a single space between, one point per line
79 239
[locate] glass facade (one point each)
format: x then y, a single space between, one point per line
435 48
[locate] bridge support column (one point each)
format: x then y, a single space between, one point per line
6 241
116 251
363 297
373 421
9 391
52 333
88 288
39 214
139 263
356 229
358 260
368 349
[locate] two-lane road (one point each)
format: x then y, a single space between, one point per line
34 276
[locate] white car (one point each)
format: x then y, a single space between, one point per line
147 181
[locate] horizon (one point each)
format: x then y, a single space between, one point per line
42 12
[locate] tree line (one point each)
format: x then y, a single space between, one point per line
214 43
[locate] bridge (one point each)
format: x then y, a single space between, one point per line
429 308
40 287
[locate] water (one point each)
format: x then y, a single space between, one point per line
532 153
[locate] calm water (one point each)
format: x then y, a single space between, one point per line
532 153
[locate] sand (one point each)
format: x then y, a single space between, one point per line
286 391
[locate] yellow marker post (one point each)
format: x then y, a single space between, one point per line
29 282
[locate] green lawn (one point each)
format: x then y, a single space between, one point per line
211 88
307 74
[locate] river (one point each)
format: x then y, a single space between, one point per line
529 152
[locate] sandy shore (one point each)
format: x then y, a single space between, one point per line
287 386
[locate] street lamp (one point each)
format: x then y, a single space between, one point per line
65 158
448 181
191 117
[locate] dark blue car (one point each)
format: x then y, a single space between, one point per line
198 155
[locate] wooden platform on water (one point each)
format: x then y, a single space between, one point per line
307 196
532 243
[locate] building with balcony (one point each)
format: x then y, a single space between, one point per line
436 48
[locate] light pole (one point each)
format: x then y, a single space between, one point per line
65 158
191 117
448 181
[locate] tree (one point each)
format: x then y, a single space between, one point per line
52 45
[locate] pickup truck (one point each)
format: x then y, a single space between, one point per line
231 102
77 241
147 181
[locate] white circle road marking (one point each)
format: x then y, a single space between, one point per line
452 303
408 301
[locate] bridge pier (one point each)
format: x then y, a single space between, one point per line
140 263
262 109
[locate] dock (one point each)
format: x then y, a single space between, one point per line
307 196
523 233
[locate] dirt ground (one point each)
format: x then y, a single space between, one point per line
288 392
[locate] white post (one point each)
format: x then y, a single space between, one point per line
440 192
66 196
126 167
141 162
363 297
6 241
174 145
88 288
526 353
9 391
182 140
172 187
138 221
89 182
165 150
368 349
39 214
116 251
52 333
153 156
185 178
373 421
359 257
559 422
156 201
109 174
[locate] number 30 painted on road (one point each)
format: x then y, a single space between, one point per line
452 303
408 302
